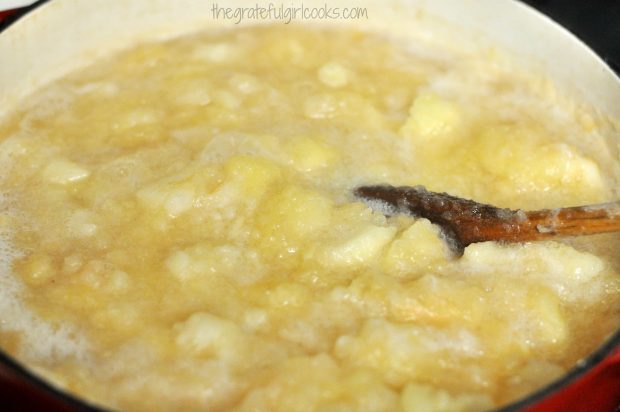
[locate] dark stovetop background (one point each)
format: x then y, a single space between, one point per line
596 22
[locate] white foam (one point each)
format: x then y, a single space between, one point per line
225 145
380 206
51 100
41 342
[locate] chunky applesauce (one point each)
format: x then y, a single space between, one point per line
179 229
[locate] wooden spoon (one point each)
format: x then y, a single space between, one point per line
464 222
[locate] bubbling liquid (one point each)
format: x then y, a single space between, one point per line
180 232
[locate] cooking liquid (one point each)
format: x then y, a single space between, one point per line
180 233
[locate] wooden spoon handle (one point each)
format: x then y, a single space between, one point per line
575 221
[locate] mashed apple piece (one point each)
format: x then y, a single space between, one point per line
179 230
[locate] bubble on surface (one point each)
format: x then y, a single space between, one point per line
42 341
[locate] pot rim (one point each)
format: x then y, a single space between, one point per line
581 369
